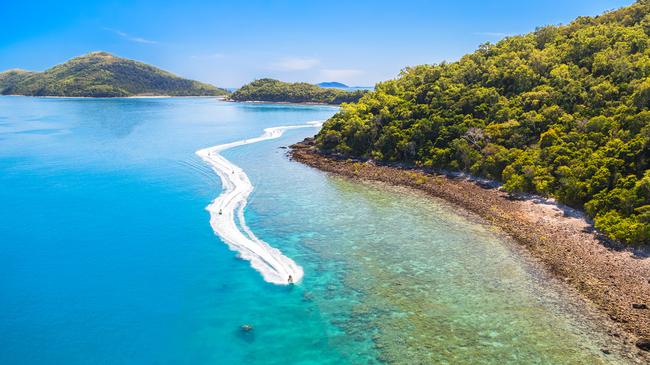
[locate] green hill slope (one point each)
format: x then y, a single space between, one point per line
100 74
561 112
12 77
299 92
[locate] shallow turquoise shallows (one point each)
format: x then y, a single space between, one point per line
107 255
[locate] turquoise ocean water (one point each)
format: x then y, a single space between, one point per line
107 255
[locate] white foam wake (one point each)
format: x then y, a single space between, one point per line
269 261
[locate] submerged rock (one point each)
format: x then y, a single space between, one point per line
246 333
307 296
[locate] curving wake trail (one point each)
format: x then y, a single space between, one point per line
228 208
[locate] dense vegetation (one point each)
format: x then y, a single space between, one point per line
299 92
561 112
12 77
100 74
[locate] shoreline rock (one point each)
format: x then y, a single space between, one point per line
643 344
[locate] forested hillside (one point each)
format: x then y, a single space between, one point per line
100 74
299 92
561 112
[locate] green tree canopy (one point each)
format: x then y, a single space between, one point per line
562 112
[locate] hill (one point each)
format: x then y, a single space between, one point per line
561 112
333 84
300 92
12 77
100 74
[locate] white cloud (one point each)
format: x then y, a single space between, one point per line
295 64
131 38
339 74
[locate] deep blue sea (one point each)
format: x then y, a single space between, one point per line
107 255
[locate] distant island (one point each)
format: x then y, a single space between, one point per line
342 86
101 74
333 84
271 90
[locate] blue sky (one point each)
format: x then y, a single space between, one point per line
229 43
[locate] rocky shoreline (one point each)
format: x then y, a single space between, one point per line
615 280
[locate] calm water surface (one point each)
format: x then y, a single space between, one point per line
107 255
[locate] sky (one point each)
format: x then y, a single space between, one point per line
230 43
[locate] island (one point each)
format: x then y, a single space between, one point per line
333 84
101 74
270 90
545 135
